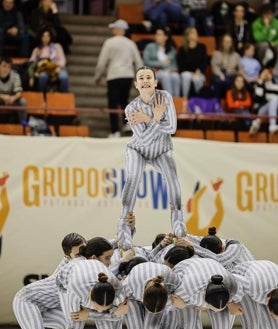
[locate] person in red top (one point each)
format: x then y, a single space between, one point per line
238 98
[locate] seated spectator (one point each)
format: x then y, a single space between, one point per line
239 28
265 101
225 65
46 15
199 16
161 56
192 62
161 13
251 66
48 61
221 14
265 34
12 29
10 93
238 98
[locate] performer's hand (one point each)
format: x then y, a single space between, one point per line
177 302
130 219
127 255
158 107
82 315
235 309
122 308
183 242
134 118
168 239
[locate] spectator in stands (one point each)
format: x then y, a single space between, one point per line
10 93
161 56
265 101
161 13
239 28
199 15
251 66
12 29
265 33
46 15
221 14
238 98
48 62
192 62
225 64
118 59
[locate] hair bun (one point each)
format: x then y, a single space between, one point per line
217 279
102 277
158 280
212 230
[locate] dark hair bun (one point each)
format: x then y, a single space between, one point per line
217 279
158 280
102 277
212 230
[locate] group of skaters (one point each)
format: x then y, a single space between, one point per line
167 285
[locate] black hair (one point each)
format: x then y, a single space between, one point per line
273 301
211 241
267 8
178 253
158 239
217 294
95 246
155 295
72 240
145 68
103 293
6 59
48 29
126 267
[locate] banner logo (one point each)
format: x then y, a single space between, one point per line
4 204
193 208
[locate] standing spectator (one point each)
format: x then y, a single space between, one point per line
161 13
12 28
221 14
239 28
266 102
49 61
10 92
161 56
225 64
192 62
238 98
120 57
251 66
265 33
46 15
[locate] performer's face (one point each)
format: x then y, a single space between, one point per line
145 81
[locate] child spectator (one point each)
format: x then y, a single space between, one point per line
238 98
251 66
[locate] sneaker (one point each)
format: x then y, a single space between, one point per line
116 134
126 128
255 126
273 129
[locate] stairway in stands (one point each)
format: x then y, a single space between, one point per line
89 33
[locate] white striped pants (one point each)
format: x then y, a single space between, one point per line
135 166
29 315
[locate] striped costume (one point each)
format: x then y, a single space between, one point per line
75 283
258 279
37 305
135 283
195 274
151 144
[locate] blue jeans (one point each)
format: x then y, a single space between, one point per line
63 81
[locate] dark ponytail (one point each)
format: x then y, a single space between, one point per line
103 293
211 241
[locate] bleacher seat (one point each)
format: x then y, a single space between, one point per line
61 104
245 137
190 133
66 131
11 129
220 135
131 13
35 102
